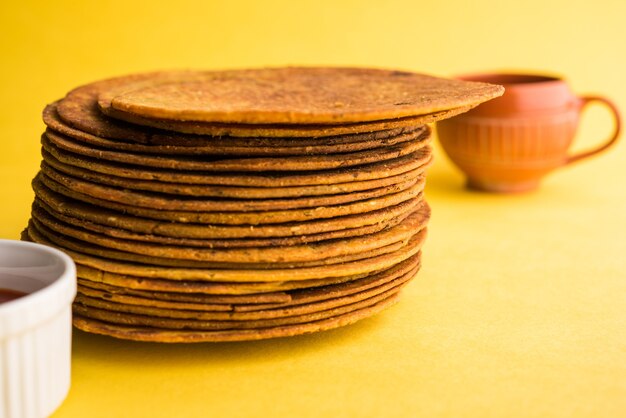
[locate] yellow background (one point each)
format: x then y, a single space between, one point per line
520 308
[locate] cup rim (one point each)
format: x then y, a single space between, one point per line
29 310
513 78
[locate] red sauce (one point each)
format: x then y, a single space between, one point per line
7 295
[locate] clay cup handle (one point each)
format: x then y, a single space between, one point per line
585 100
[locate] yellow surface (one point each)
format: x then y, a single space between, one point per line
520 308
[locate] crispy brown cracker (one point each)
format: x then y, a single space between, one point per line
226 315
163 223
194 286
52 232
157 207
188 296
231 208
67 215
411 143
331 182
325 250
353 268
177 336
286 131
260 300
292 95
89 125
172 144
298 297
86 271
130 319
242 202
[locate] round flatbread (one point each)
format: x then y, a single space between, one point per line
352 268
86 271
132 319
410 167
245 202
236 318
287 131
293 95
60 200
51 232
67 214
196 287
159 200
157 207
171 144
325 297
186 297
254 301
409 144
215 243
94 275
80 111
325 250
137 333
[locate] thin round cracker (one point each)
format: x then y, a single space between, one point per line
299 297
325 250
140 179
130 319
85 272
89 268
285 131
353 268
94 210
267 208
133 318
187 297
258 300
331 182
178 336
247 202
291 95
224 315
156 207
52 232
115 232
231 146
410 144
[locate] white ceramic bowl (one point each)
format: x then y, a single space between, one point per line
35 329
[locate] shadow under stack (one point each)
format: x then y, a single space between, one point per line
240 205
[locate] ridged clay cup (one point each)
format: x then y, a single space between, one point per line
510 143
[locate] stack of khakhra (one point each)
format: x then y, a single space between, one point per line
244 204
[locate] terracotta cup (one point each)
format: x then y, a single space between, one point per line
510 143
